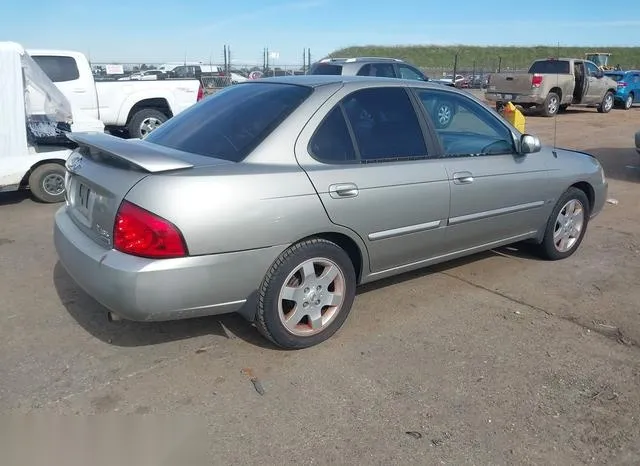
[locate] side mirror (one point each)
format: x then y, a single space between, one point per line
529 144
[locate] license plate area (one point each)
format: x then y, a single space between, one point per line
82 199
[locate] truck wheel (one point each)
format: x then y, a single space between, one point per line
551 104
46 183
607 103
145 121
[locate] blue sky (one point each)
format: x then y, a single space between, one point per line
163 30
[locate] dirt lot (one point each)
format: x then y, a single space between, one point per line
497 359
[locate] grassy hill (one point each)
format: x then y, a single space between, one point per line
437 56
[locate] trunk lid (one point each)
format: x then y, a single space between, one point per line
511 83
103 169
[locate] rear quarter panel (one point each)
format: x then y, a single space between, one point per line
237 207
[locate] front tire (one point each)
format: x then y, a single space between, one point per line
566 226
46 183
306 295
607 103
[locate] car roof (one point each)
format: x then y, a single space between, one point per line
317 80
359 60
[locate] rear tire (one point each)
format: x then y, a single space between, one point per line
46 183
628 103
551 104
607 103
145 121
297 308
566 226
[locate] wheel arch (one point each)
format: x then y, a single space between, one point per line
349 245
24 183
586 188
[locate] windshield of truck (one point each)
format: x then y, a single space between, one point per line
232 122
550 67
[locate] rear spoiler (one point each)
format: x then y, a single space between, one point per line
149 157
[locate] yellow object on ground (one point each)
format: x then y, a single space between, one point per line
514 116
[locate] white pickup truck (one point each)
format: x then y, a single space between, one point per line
136 106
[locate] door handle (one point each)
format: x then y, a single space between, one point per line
463 178
338 191
79 90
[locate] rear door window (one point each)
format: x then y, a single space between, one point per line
550 67
385 124
231 123
58 69
326 69
383 70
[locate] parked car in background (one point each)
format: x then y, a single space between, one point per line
382 190
460 81
136 106
628 92
552 84
147 75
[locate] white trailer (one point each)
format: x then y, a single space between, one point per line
34 119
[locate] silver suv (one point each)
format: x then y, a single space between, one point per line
368 66
385 68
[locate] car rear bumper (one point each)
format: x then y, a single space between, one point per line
515 98
142 289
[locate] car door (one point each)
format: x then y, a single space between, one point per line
366 154
595 84
496 193
635 86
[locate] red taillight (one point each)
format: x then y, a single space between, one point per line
200 93
622 84
536 80
141 233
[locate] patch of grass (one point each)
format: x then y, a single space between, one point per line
488 58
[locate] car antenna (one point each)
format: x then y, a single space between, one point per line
555 117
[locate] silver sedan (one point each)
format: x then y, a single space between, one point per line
275 198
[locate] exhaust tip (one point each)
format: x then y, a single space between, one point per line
111 317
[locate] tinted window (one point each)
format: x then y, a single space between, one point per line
326 69
231 123
408 72
384 70
550 67
58 69
385 124
331 143
464 127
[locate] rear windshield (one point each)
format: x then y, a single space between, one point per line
232 122
617 77
326 69
550 67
